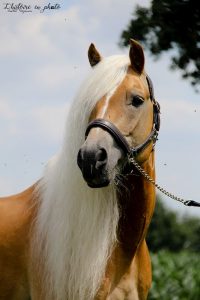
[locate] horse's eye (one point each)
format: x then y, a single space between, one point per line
137 101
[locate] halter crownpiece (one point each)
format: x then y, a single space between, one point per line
156 105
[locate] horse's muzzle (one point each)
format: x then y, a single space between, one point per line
93 164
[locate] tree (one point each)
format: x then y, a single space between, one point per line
168 25
168 231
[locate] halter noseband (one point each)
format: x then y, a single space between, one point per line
117 135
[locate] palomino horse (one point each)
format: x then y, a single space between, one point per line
80 234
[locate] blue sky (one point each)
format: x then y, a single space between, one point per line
43 60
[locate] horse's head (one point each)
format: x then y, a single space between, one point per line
129 107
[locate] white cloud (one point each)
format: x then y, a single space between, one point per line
6 187
180 115
25 36
47 120
43 34
52 76
8 119
50 121
6 111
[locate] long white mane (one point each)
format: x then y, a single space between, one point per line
76 225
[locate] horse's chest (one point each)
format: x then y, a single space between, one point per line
124 291
121 280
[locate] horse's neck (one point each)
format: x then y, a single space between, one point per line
136 200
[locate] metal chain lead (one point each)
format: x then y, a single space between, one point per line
162 190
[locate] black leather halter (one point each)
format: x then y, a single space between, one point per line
118 136
121 141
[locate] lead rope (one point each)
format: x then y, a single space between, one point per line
162 190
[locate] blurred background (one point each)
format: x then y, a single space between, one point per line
43 60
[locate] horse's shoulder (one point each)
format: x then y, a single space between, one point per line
16 213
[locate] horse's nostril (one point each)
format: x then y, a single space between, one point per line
101 158
101 154
80 159
92 162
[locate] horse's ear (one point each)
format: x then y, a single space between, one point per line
136 55
93 55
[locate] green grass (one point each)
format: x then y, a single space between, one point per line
175 276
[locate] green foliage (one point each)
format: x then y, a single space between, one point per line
175 276
175 245
170 232
169 25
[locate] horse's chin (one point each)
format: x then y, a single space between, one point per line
99 184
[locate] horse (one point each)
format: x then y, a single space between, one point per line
78 233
